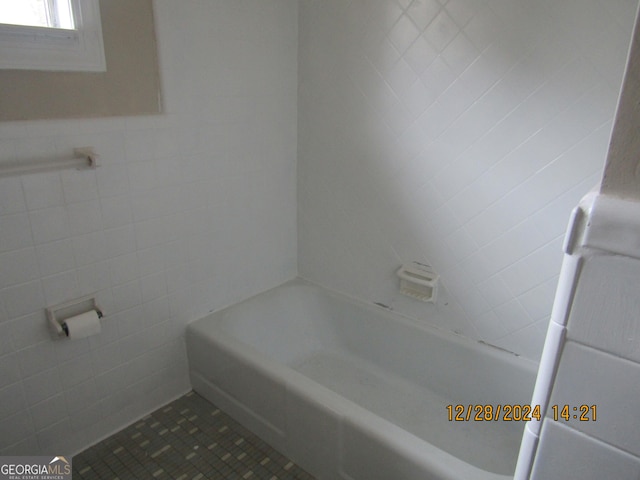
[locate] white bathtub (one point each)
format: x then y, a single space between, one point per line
353 391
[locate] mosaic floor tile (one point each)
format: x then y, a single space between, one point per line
189 439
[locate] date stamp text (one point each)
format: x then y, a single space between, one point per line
519 413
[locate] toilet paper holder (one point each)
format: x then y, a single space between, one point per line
59 313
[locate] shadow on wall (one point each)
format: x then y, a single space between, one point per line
460 134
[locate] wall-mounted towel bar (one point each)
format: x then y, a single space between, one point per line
83 158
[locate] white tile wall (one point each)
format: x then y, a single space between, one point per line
457 132
191 210
617 279
582 457
590 377
594 361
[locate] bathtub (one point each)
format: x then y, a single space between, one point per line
353 391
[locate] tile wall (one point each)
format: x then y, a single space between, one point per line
459 132
592 345
593 376
456 132
191 210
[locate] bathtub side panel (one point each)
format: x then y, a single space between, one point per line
253 395
373 451
313 429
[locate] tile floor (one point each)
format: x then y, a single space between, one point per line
189 439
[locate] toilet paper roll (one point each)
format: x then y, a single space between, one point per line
83 325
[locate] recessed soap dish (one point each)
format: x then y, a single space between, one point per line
419 281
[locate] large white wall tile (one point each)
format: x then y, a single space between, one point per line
18 266
28 330
10 369
42 385
49 224
15 232
591 377
23 299
14 429
581 457
13 399
42 191
11 197
55 257
611 325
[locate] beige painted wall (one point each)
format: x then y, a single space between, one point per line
130 86
622 171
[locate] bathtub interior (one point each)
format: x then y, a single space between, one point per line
401 371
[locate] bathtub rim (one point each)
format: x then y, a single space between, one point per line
479 346
400 440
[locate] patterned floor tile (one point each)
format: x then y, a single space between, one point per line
189 439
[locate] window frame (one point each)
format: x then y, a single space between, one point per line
56 49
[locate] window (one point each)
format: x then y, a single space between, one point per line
37 13
60 35
129 86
